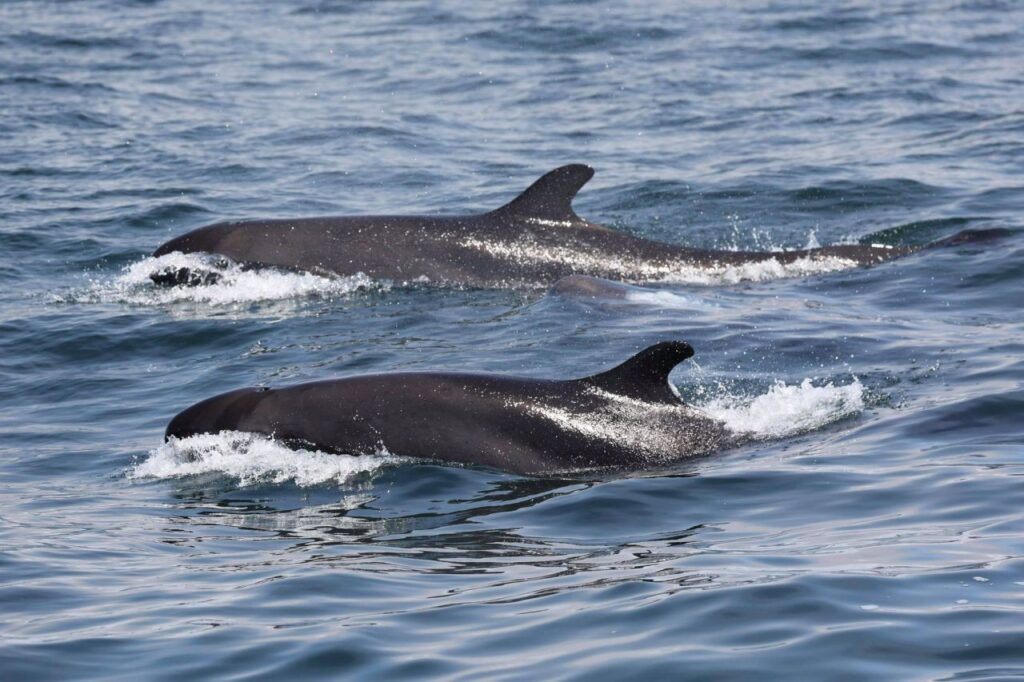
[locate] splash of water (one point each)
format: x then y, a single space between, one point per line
234 284
787 410
253 459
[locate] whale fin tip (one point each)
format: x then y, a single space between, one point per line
645 375
550 197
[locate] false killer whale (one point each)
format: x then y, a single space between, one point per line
533 240
628 416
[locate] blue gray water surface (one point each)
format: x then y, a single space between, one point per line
875 529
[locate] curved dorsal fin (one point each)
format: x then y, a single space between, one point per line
645 375
550 197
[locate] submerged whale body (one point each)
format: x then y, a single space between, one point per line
588 287
533 240
628 416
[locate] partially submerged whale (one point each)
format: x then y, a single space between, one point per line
533 240
588 287
628 416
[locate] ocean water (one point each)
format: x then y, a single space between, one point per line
871 528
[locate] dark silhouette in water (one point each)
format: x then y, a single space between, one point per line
628 416
533 240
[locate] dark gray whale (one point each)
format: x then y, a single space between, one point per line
533 240
628 416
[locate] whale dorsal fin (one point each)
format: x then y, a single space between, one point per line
645 375
550 197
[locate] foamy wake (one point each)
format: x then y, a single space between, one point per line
786 410
252 459
234 285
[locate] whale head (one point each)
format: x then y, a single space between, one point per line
225 412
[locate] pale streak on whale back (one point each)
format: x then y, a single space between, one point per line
639 270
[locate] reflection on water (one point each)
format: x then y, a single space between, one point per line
461 536
356 517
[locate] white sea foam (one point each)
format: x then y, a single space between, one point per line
235 285
251 459
787 410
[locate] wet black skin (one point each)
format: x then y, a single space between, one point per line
628 416
458 249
